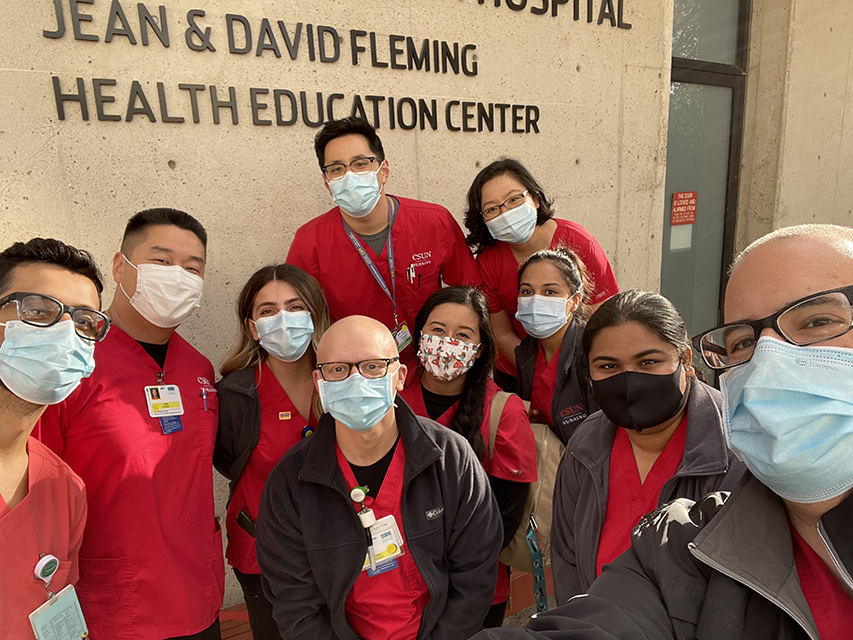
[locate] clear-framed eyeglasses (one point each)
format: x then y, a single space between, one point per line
39 310
337 371
815 318
339 169
510 203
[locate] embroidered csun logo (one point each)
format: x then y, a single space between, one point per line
432 514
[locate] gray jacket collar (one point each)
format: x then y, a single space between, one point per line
705 449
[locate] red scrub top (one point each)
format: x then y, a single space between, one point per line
628 499
281 427
544 386
388 605
49 520
830 605
499 270
429 249
151 563
515 446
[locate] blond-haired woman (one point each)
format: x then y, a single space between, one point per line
267 405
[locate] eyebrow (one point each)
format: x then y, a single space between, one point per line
509 194
641 354
272 303
171 252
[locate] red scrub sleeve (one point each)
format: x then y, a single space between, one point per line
459 267
303 253
602 273
490 274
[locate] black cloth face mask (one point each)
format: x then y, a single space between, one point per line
637 400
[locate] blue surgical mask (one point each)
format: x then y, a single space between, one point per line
788 416
541 316
43 365
358 402
286 335
356 193
516 225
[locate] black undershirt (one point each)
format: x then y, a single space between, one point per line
436 405
372 475
156 351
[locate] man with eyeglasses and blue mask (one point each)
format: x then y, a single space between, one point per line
376 254
773 560
140 432
381 524
50 320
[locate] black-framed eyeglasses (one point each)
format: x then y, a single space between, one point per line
359 165
510 203
815 318
39 310
337 371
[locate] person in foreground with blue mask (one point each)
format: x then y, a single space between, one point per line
374 253
267 404
553 287
50 320
381 525
773 559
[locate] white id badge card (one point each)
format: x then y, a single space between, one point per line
164 400
387 541
60 618
402 336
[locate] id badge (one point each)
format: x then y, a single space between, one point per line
387 542
60 618
402 336
164 400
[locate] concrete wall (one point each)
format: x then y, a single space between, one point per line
601 90
798 137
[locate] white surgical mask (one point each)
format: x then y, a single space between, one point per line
541 316
356 193
516 225
165 295
286 335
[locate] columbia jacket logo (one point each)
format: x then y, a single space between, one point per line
432 514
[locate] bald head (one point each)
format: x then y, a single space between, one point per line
354 339
787 265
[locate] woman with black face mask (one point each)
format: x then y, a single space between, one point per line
658 437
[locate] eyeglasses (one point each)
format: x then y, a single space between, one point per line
815 318
338 169
337 371
43 311
510 203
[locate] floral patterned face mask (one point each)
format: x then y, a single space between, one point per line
446 358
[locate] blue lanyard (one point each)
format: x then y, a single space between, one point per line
353 237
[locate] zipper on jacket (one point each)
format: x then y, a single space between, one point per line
702 557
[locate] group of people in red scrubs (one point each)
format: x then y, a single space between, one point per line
344 517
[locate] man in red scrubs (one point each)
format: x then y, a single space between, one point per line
774 558
50 297
140 432
374 471
377 254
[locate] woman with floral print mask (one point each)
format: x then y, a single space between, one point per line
452 385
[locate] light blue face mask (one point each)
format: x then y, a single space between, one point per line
541 316
516 225
788 415
43 365
286 335
356 193
358 402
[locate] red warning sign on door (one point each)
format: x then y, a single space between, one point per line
683 208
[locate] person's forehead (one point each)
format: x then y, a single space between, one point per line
782 271
354 346
73 289
344 148
174 238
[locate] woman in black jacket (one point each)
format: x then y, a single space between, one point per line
658 437
553 287
266 405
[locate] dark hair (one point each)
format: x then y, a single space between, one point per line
345 127
469 415
49 251
479 237
160 216
571 267
652 310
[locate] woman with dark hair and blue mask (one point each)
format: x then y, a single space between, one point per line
509 218
658 437
267 404
451 385
553 287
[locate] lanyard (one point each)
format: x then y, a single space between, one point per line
353 237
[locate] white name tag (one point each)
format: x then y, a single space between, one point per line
60 618
164 400
387 541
